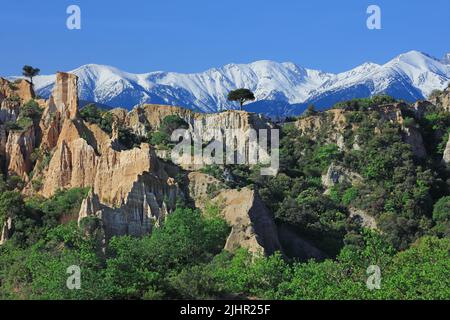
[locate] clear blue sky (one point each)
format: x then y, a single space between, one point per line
194 35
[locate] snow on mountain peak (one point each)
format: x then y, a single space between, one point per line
411 75
446 58
425 72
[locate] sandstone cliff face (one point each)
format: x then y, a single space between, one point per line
252 225
210 127
16 146
146 205
333 122
19 146
20 88
443 100
151 116
201 187
62 105
130 189
12 96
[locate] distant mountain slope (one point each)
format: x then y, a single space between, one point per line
280 88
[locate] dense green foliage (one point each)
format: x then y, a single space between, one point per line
162 137
180 260
363 104
34 216
29 114
130 268
93 114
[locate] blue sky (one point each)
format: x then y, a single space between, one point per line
194 35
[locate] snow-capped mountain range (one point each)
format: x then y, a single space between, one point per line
280 88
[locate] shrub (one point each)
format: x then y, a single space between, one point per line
162 137
434 94
31 110
441 211
349 195
13 86
37 184
93 114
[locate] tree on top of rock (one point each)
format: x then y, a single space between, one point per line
30 72
242 95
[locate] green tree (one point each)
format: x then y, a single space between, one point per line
310 111
30 72
31 110
241 95
186 238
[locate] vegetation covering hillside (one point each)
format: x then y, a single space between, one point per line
383 177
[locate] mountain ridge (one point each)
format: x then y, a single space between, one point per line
282 88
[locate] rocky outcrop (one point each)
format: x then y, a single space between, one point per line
146 205
337 174
365 220
20 88
222 126
446 158
332 123
413 137
442 100
202 188
16 142
84 157
150 116
6 231
19 147
12 96
252 224
130 189
62 105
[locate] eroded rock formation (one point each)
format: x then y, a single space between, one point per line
18 148
442 100
5 231
16 144
446 158
150 116
130 189
252 224
338 174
